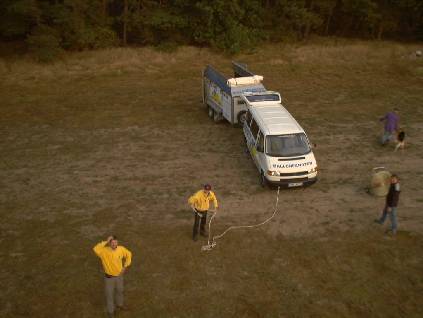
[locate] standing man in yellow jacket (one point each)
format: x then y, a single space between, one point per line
115 260
200 203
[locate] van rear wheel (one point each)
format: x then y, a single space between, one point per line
242 117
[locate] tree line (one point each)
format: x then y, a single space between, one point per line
48 27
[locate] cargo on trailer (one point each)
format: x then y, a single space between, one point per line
222 95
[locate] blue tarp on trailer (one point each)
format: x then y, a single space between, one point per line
217 78
240 70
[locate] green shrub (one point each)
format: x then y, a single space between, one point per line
238 38
44 44
97 37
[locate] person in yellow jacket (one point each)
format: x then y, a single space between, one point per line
115 260
200 203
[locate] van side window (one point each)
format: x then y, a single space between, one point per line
260 142
254 128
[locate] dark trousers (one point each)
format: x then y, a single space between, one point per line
199 221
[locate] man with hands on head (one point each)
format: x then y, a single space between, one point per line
115 260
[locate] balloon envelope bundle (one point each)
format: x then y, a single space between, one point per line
380 182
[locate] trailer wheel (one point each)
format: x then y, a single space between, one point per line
211 112
216 117
242 117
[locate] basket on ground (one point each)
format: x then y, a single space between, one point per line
380 182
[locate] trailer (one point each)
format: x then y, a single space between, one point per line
222 96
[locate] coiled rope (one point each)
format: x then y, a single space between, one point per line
211 244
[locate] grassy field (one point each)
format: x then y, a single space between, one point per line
115 141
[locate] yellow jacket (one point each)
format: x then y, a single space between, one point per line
112 260
201 200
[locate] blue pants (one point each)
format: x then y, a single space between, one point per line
392 216
387 136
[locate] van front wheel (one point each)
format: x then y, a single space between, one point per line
263 180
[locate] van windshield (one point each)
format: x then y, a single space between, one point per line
287 145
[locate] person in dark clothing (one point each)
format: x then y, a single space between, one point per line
392 199
400 140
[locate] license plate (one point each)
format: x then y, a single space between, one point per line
295 184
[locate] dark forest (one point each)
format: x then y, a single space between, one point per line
48 27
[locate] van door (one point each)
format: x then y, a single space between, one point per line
251 139
260 156
246 127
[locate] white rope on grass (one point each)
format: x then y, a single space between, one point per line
211 244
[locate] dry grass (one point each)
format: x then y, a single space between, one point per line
347 55
102 62
115 141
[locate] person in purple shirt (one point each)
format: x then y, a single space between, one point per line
391 120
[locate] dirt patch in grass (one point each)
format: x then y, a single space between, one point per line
115 141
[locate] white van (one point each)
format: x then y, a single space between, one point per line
277 143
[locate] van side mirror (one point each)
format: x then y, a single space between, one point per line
260 148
